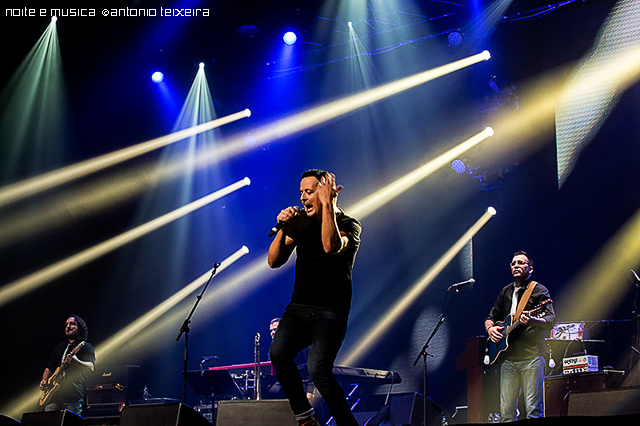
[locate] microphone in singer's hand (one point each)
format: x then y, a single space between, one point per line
280 225
463 283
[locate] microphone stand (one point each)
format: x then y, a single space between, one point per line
423 352
185 329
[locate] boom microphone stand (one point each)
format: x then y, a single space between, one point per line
185 329
423 352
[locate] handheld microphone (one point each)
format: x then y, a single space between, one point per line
463 283
280 225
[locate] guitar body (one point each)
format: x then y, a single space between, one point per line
496 348
53 384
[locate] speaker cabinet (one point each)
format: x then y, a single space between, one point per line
161 415
558 388
408 410
604 403
52 418
8 421
271 412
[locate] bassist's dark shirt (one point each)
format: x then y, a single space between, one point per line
525 341
73 385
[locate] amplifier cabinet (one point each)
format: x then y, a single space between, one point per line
557 388
119 377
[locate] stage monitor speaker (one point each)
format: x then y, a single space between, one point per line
408 410
8 421
52 418
270 412
604 403
176 414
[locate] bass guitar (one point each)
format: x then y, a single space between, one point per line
53 384
494 349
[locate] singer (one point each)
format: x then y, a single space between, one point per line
326 242
523 360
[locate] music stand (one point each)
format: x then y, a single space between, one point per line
222 383
198 383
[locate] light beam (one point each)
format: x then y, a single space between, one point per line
39 278
354 355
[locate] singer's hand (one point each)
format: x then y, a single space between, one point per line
494 333
326 191
287 215
527 320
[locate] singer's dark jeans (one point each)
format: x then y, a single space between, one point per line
323 329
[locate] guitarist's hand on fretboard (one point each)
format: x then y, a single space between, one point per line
527 320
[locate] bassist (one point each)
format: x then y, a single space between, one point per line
69 369
523 360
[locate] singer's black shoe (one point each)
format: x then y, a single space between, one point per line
310 421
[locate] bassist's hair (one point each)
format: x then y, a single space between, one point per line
83 330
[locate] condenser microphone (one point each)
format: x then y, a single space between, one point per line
280 225
463 283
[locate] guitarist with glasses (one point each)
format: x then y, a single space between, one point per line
64 378
516 339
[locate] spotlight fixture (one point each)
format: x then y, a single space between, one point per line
290 37
455 39
350 24
491 211
54 19
201 65
458 166
157 77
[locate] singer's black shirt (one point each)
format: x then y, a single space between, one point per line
323 280
525 341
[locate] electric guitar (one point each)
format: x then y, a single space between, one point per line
53 384
494 349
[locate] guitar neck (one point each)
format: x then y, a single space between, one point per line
513 326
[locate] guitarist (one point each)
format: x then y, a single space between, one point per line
523 360
70 394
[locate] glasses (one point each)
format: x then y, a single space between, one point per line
519 262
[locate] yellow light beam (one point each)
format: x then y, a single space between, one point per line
113 343
355 355
376 200
258 272
280 129
226 292
597 289
35 185
308 119
27 400
39 278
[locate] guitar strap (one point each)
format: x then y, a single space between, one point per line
524 299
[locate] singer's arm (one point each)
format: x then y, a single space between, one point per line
282 245
333 241
280 250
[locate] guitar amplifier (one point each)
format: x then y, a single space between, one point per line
120 377
109 389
